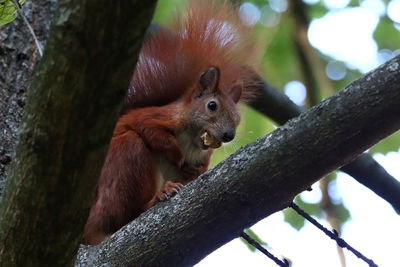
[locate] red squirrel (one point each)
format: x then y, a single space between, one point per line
181 104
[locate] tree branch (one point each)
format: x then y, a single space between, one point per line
274 104
364 168
72 107
280 108
259 179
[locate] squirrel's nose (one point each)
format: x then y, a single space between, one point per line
228 136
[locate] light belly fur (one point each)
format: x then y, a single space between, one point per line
192 154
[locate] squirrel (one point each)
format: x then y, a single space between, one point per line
180 106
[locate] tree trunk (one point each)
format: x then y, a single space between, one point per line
72 107
18 56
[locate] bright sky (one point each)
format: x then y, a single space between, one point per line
350 30
344 34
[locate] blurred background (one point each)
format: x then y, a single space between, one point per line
311 49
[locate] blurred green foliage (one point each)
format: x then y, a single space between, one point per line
387 145
386 35
8 12
318 10
166 9
342 214
296 221
280 62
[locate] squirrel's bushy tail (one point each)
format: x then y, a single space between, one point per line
209 33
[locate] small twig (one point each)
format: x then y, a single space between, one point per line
251 241
18 8
332 234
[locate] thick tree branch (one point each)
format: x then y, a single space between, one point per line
274 104
280 108
72 107
259 179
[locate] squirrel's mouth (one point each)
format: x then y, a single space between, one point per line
209 141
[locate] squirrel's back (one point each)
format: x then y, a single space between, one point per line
209 33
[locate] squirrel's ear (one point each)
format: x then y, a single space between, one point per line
209 79
235 92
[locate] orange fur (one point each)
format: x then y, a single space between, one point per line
208 34
156 145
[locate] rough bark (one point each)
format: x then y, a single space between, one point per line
363 169
72 107
259 179
18 56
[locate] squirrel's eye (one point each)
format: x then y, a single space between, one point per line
212 105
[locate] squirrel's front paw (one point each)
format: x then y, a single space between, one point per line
168 190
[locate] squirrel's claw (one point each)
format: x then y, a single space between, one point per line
168 190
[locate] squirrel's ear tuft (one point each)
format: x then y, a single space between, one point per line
235 92
209 79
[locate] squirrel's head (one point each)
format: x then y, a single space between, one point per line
212 111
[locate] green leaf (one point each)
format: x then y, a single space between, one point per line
166 9
317 10
391 143
8 12
354 3
291 217
311 208
295 220
253 236
386 35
